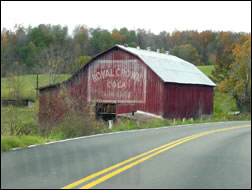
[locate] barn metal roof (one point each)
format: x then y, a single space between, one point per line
171 68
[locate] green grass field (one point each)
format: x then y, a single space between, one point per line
29 84
206 69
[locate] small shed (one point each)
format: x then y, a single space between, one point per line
125 79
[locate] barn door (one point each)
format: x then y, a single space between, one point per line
105 111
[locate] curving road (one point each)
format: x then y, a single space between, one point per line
210 155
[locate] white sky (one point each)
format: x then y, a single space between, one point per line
154 16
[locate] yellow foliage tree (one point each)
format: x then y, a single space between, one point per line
117 38
238 83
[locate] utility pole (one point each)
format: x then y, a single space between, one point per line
37 86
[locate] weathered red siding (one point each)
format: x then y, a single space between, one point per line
187 100
51 106
154 97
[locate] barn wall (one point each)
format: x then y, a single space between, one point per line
181 100
55 102
79 90
154 97
51 106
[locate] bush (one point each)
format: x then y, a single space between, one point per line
28 127
223 104
77 124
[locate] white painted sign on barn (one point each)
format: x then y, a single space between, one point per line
118 81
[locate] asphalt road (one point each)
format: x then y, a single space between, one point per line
217 159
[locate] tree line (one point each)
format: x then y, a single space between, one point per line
51 47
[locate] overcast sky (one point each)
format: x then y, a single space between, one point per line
153 16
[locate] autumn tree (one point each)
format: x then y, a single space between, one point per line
142 38
117 38
212 59
205 38
175 38
53 60
4 45
222 67
225 39
81 39
186 52
130 36
238 82
9 55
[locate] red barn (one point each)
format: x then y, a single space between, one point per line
124 79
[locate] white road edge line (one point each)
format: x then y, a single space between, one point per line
33 145
50 143
16 148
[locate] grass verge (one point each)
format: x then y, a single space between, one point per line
10 142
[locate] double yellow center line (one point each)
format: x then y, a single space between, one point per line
143 156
